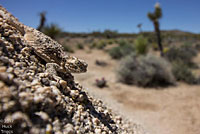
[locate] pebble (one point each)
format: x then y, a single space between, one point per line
33 67
20 64
80 107
74 93
1 84
2 69
25 51
10 70
43 115
58 132
10 48
35 82
39 98
81 98
49 129
55 90
97 131
45 81
63 83
23 94
69 129
53 83
95 121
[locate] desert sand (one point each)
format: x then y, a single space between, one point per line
171 110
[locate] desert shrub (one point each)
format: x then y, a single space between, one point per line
165 50
88 40
80 46
110 34
115 53
52 30
92 45
197 46
131 41
182 63
183 73
110 41
68 49
154 46
120 51
101 44
146 71
184 54
141 45
122 42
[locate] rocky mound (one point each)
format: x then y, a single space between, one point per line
36 101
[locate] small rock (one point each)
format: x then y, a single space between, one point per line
95 121
49 129
97 131
43 115
35 82
10 70
69 129
20 64
74 93
38 98
45 81
2 69
63 83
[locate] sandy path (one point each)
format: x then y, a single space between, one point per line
174 110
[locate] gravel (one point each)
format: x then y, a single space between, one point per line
32 102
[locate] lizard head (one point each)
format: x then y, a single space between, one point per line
75 65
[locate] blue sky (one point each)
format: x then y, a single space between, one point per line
120 15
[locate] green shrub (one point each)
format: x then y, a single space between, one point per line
101 44
52 30
115 53
184 54
121 51
197 46
154 46
141 45
146 71
110 41
122 42
80 46
93 45
110 34
182 62
68 49
183 73
88 40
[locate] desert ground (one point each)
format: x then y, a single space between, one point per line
171 110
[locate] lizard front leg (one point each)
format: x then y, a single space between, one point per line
52 69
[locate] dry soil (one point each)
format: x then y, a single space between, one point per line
172 110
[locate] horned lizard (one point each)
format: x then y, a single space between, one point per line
45 47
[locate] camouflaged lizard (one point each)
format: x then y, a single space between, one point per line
46 48
52 52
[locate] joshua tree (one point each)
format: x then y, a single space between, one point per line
140 27
42 20
154 17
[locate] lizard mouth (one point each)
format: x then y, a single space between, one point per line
78 68
75 65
